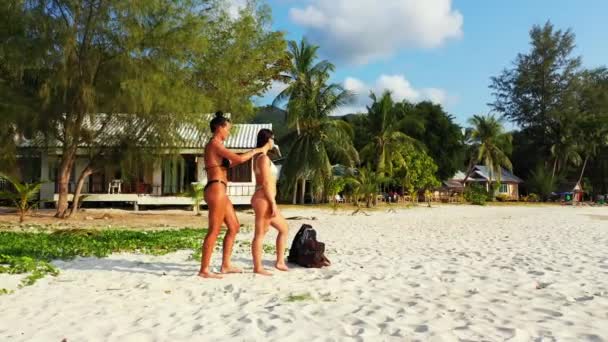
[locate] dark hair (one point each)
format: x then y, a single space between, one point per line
263 136
218 121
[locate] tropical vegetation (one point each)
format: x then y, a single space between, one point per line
64 62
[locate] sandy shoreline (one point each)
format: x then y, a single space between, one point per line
444 274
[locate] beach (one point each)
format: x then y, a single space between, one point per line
448 273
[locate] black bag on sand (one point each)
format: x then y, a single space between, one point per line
306 250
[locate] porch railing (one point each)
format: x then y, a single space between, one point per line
102 188
143 188
6 186
241 190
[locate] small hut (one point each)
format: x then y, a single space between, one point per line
569 192
480 174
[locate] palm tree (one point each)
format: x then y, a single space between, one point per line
541 182
366 183
489 144
595 135
565 151
302 72
24 195
592 122
385 119
318 140
196 192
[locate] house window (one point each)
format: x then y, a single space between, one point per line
53 169
173 175
240 173
29 169
504 189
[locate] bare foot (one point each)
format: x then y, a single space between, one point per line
262 272
228 270
281 267
209 275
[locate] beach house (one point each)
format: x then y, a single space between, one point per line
160 181
480 174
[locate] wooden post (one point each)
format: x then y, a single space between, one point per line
295 192
303 190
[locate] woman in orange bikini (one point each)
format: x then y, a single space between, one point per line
265 206
217 161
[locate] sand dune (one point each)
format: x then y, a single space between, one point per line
442 274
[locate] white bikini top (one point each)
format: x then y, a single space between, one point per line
274 171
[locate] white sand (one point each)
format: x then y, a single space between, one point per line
443 274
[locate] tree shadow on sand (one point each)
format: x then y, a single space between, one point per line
185 269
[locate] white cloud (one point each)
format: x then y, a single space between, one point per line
362 30
355 85
436 95
400 88
398 85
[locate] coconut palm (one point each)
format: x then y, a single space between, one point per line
366 184
566 146
489 144
318 140
595 133
592 122
196 192
565 151
541 182
385 119
302 72
24 197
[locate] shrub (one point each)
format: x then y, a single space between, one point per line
476 194
24 197
542 183
502 197
532 197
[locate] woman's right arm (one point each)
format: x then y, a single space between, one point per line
236 159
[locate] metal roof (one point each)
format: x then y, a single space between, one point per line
483 172
505 176
453 183
459 175
243 136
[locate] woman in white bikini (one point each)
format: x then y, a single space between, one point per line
265 207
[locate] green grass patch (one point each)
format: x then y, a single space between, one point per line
28 252
5 291
299 297
271 249
68 244
37 269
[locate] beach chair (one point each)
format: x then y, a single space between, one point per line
115 186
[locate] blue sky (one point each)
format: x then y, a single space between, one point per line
441 50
